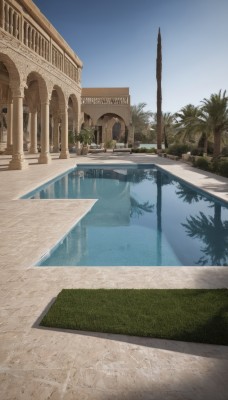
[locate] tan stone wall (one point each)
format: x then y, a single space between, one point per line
41 74
24 21
103 105
40 71
123 91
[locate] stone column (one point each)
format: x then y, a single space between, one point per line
33 133
18 161
2 15
79 75
7 17
105 131
64 136
44 157
56 135
26 34
9 148
2 125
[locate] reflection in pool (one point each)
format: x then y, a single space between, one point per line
143 217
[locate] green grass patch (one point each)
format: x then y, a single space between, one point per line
191 315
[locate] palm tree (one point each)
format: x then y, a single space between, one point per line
186 123
202 125
216 111
168 127
159 91
140 119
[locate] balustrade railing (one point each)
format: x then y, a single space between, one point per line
105 100
17 25
10 19
35 40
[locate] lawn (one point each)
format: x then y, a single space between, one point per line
191 315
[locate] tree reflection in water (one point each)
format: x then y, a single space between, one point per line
161 180
188 195
213 233
138 209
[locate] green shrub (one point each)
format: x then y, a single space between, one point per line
110 144
178 149
197 151
202 163
138 150
144 150
223 168
224 152
215 166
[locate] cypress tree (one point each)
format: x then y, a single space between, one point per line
159 91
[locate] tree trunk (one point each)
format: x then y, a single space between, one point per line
205 144
159 91
217 143
165 139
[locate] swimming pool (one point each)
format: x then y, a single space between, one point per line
143 217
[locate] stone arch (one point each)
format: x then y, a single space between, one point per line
60 113
34 76
10 84
73 103
109 110
15 78
104 126
36 98
118 134
57 109
62 98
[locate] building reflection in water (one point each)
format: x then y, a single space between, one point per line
143 216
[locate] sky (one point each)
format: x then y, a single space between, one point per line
117 43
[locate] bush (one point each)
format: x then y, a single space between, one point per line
85 136
215 166
223 168
110 144
178 149
202 163
144 150
224 152
197 151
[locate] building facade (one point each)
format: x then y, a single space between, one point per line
41 97
108 111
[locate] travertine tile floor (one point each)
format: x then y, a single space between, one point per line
42 364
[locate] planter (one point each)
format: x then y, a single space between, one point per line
84 151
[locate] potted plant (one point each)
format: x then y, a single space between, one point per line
85 137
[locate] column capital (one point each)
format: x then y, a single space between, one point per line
17 90
45 102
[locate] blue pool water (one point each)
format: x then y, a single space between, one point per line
143 217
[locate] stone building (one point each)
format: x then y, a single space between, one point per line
41 98
108 110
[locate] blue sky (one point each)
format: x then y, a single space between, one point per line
117 41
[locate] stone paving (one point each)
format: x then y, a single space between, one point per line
45 364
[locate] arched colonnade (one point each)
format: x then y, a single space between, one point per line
52 104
